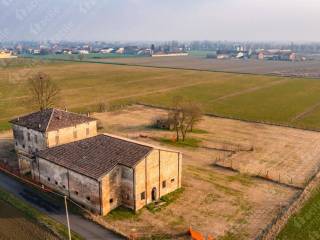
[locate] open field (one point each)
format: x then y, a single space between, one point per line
198 60
13 225
217 201
251 97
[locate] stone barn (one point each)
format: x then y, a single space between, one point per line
106 171
45 129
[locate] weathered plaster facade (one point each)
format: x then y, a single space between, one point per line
154 176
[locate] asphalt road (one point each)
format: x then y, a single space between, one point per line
85 228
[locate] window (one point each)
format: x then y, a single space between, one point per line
164 184
172 180
23 146
87 131
57 139
16 143
76 192
143 195
88 198
127 196
56 182
75 134
111 200
48 179
36 138
64 186
29 138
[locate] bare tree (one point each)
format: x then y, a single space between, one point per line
184 116
44 92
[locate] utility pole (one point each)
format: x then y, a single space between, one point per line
65 203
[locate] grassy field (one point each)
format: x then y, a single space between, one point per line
305 224
84 85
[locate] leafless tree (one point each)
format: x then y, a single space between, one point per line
184 115
44 92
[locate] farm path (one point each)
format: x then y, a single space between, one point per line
305 113
249 90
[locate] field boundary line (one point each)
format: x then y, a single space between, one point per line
250 90
305 113
238 119
273 229
177 68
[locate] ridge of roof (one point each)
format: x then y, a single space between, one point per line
140 143
96 156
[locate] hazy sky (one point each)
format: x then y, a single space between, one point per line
110 20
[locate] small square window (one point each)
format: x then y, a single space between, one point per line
24 146
111 200
48 179
172 180
128 197
64 186
88 198
56 182
76 192
164 184
143 195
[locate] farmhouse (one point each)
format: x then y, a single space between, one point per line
101 172
45 129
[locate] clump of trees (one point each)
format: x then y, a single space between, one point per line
44 93
185 114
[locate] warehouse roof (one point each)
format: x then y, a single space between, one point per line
50 119
96 156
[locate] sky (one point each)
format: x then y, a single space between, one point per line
160 20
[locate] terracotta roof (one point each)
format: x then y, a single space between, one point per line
50 119
96 156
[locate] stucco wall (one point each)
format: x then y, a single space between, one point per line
80 188
23 144
71 134
150 173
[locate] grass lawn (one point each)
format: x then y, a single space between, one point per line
306 224
85 85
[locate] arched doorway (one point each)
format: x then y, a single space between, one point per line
154 194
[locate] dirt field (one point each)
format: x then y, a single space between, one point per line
283 68
215 200
13 226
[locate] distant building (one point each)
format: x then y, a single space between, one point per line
277 55
6 54
171 54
